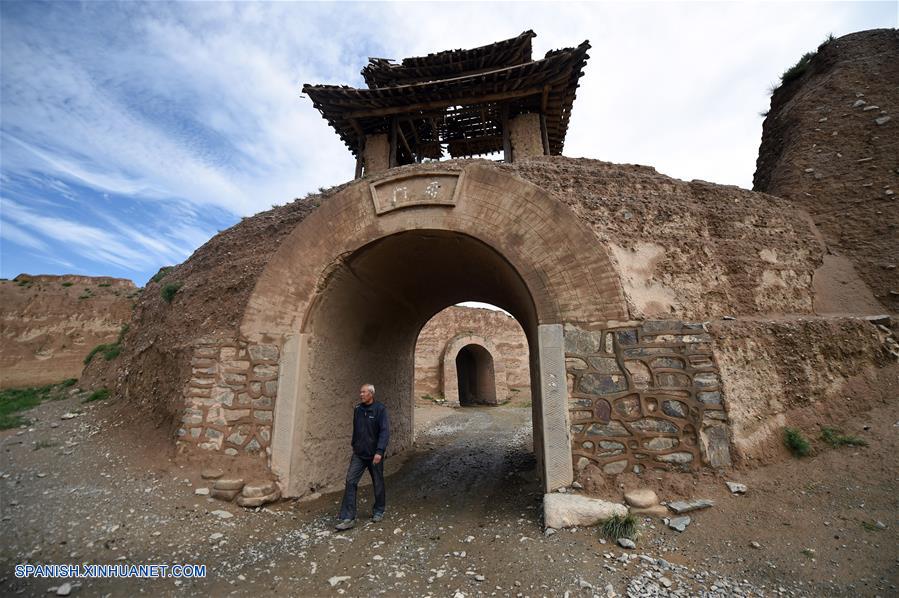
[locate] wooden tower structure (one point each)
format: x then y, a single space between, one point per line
460 103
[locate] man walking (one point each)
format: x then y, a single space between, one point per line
371 432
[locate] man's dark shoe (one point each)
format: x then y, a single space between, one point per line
345 524
377 517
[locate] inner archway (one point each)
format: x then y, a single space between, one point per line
476 376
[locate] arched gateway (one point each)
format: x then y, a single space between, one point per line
472 372
348 291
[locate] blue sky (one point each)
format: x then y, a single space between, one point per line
131 132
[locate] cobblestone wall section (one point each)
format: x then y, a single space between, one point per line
230 397
645 397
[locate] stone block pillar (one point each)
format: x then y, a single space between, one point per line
526 136
376 155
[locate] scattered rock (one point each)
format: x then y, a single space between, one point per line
258 501
685 506
568 510
64 590
736 488
211 474
222 514
657 511
225 495
68 415
755 545
859 103
626 543
641 498
202 491
338 579
679 523
880 525
228 484
259 489
882 120
549 532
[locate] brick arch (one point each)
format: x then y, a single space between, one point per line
533 242
450 375
565 267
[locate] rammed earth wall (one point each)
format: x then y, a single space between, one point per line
230 397
645 397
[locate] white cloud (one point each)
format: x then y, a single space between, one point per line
12 233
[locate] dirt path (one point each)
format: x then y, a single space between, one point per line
463 520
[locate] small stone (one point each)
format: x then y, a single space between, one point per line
870 108
549 532
880 525
338 579
211 474
626 543
222 514
679 523
64 590
755 545
202 491
665 582
479 577
657 511
68 415
882 120
258 501
216 536
225 495
257 489
685 506
228 484
859 103
736 488
641 498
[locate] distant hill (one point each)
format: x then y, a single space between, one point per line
48 324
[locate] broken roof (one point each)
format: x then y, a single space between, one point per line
456 99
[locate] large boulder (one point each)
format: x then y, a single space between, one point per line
572 510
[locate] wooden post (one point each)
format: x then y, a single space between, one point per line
507 141
393 125
360 156
544 134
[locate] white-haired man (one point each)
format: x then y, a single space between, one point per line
371 433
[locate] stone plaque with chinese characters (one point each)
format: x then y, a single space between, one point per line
408 190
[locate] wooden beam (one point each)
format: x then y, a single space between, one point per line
392 163
468 101
544 135
402 137
545 99
507 141
360 157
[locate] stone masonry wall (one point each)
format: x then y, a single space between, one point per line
646 396
230 397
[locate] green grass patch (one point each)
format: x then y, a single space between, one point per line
798 69
836 438
98 395
796 442
169 290
67 284
105 284
15 400
621 527
161 274
109 351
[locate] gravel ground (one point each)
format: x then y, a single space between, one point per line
463 519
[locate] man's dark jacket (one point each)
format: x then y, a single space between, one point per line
371 430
